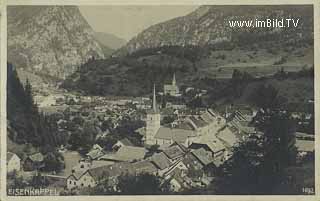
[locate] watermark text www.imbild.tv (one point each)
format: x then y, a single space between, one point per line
266 23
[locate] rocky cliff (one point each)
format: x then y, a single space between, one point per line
50 40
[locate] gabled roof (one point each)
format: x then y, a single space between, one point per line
198 122
174 152
207 117
144 167
191 162
126 153
228 136
181 146
111 170
10 155
95 153
305 145
202 156
175 134
77 174
126 142
219 160
215 145
160 160
37 157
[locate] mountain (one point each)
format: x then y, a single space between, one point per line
50 40
109 40
208 25
200 48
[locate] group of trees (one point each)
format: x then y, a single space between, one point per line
304 72
27 125
257 165
141 184
126 129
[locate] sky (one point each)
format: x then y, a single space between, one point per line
127 21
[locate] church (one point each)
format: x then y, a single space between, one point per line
184 131
171 89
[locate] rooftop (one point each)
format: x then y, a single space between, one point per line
126 153
160 160
202 156
10 155
176 134
126 142
305 145
174 152
37 157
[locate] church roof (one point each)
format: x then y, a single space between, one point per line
176 134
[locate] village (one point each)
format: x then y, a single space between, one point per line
182 146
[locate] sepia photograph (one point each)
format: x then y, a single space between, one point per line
160 100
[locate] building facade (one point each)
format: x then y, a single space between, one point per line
152 121
13 162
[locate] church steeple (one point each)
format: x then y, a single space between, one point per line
174 79
154 100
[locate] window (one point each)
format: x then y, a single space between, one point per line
70 182
82 184
75 183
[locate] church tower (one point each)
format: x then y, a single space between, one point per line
153 121
174 80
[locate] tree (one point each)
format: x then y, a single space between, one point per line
54 161
143 184
38 181
167 119
244 165
260 161
279 129
266 97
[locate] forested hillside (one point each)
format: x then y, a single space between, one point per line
25 123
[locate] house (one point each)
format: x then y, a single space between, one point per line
144 167
93 176
214 146
80 179
174 153
304 147
178 181
161 161
13 162
194 166
95 152
228 137
34 162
